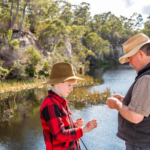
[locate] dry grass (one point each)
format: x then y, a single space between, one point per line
14 85
82 95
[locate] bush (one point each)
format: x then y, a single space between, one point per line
34 56
65 60
17 70
30 71
102 62
46 65
43 72
14 44
3 72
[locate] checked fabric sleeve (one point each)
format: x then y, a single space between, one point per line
57 124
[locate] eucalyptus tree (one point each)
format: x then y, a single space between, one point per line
51 28
66 13
38 10
146 29
76 34
82 11
96 43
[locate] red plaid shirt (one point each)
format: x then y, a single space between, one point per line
58 128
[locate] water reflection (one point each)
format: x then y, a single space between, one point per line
117 78
23 131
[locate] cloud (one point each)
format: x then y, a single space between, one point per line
129 3
146 10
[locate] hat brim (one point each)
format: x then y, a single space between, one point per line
60 80
124 59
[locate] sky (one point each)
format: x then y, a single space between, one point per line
118 7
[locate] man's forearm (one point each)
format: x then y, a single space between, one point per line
128 114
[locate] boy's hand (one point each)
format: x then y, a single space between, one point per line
90 125
79 123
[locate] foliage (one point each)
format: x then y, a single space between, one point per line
56 22
96 43
102 63
61 45
43 72
14 44
6 34
30 71
3 72
33 56
17 70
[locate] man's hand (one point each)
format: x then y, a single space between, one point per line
112 103
79 123
90 126
118 96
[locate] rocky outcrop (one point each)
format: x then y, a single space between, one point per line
26 39
114 54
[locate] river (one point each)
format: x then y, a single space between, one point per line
24 131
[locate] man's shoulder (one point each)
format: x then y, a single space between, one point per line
144 78
142 83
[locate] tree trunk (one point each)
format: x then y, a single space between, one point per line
15 18
11 13
24 10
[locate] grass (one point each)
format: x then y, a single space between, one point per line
15 86
82 95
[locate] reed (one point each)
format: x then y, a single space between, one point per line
15 86
82 95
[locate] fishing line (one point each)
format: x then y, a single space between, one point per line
83 144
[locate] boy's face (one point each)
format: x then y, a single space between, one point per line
65 88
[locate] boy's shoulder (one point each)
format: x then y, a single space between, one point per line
49 100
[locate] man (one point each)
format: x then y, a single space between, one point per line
134 108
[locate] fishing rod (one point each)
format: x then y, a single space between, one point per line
83 144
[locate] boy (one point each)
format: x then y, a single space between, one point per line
60 133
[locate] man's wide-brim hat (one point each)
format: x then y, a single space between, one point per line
132 46
61 72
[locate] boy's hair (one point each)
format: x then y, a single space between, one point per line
71 80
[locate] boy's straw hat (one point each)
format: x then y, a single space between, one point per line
61 72
132 46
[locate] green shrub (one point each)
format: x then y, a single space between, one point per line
102 62
30 71
43 72
14 44
60 45
34 56
46 65
17 70
3 72
65 60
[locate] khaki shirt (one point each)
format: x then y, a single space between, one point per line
140 101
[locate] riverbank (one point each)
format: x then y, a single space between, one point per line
15 86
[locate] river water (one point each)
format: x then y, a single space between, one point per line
24 131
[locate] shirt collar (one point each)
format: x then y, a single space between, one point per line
144 69
62 100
